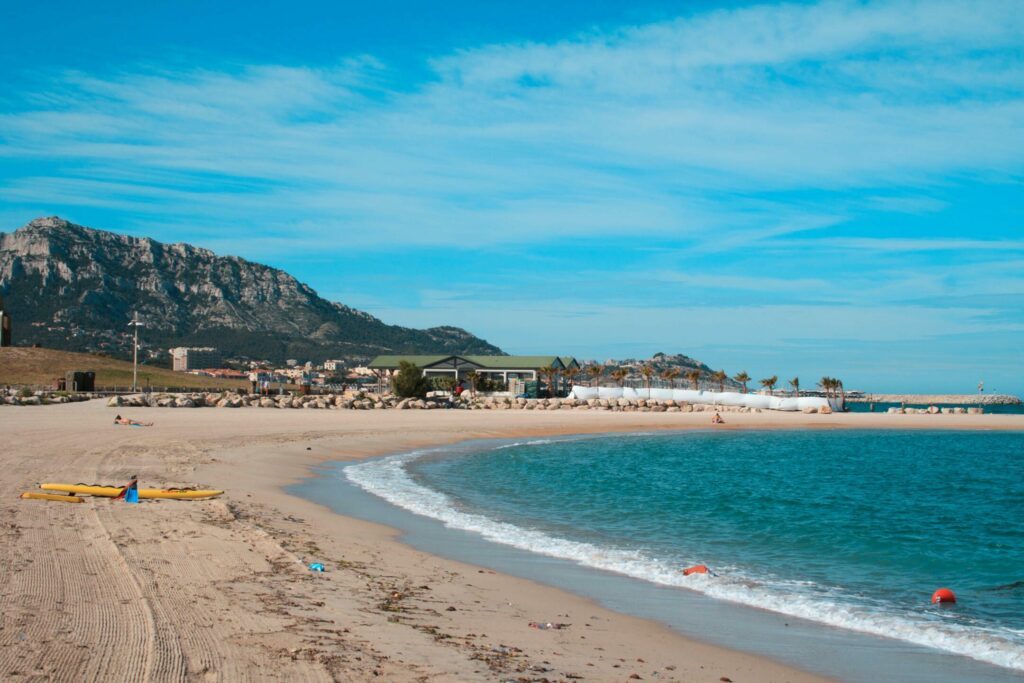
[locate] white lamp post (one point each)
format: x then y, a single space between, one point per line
135 323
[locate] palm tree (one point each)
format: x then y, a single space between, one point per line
769 383
620 375
826 385
473 376
594 372
550 373
648 372
742 378
670 376
720 376
569 373
694 377
795 383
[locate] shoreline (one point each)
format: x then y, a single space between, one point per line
382 609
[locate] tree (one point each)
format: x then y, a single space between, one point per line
550 374
594 372
473 376
620 375
694 377
742 377
569 373
720 376
769 383
647 371
410 382
795 383
826 384
670 376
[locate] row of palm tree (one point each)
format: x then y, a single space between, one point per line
829 385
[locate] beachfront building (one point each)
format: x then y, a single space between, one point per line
498 368
185 358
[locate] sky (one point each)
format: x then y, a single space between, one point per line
791 189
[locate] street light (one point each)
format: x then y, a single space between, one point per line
135 323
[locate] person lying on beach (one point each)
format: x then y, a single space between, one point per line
133 423
717 419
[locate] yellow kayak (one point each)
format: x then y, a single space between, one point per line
32 495
113 491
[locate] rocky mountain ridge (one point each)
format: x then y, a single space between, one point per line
76 288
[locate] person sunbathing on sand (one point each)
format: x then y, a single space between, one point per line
717 420
133 423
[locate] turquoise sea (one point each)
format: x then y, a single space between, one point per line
852 529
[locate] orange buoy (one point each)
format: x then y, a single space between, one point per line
943 595
696 569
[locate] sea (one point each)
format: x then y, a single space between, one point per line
847 533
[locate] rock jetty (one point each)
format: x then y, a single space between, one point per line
370 401
42 398
938 399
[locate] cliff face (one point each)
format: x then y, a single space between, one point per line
75 288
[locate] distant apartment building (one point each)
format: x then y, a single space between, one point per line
192 358
334 365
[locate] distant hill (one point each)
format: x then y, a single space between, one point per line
24 365
75 288
675 361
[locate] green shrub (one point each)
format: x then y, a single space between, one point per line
25 392
442 383
410 382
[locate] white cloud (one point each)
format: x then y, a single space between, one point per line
667 129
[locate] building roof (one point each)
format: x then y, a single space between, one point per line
567 361
392 362
516 362
483 362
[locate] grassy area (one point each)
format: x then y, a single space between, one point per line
22 365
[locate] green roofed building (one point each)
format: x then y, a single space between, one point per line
504 368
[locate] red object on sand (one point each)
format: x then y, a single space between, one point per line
696 569
943 595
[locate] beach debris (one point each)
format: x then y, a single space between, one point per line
725 679
546 625
698 569
317 567
943 595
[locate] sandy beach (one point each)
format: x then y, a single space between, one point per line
218 590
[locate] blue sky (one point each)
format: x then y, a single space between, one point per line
793 189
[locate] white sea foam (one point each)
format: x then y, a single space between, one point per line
537 442
388 479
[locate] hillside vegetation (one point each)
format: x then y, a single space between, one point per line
41 367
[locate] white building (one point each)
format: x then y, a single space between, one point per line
194 357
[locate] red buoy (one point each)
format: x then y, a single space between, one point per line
943 595
696 569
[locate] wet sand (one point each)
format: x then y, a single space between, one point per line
219 590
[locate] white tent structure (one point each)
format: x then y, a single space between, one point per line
717 398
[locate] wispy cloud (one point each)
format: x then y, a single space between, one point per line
784 173
670 129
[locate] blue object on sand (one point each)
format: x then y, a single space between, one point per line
317 567
131 495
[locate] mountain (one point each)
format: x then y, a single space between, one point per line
75 288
